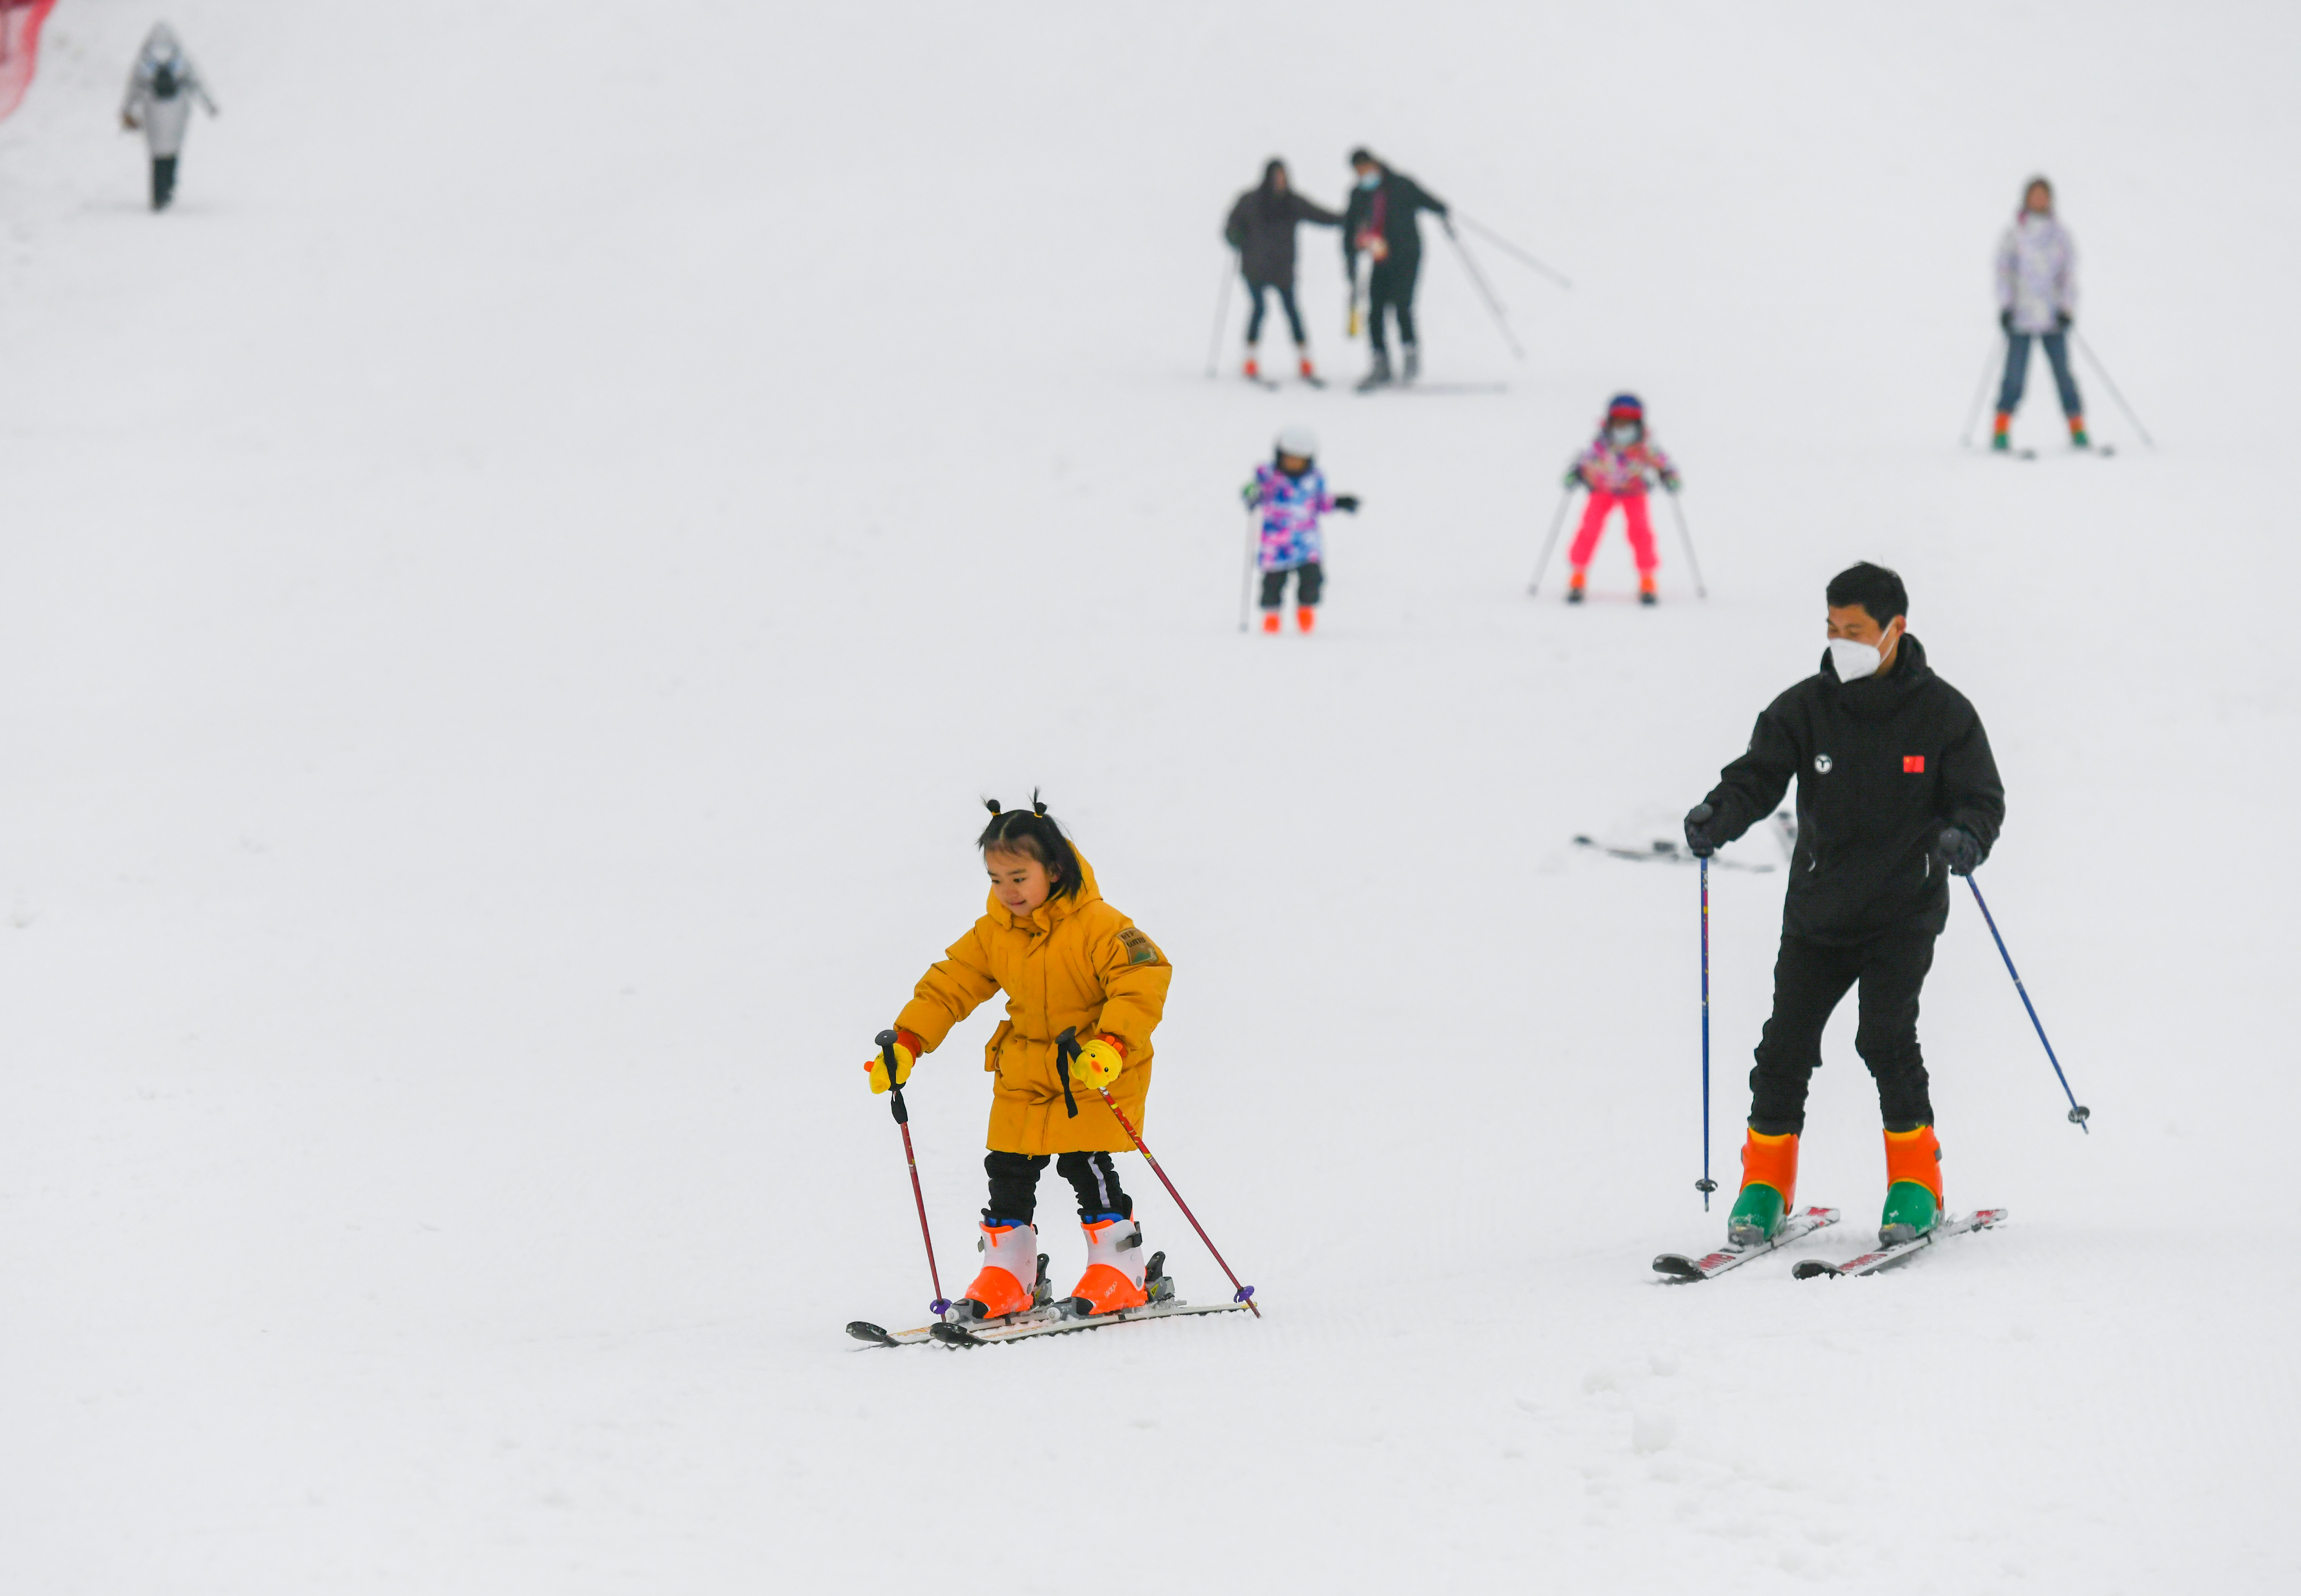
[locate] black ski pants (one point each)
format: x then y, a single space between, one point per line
1015 1186
1285 292
164 181
1390 286
1310 581
1810 978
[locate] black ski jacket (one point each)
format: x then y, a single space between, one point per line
1403 196
1261 229
1882 765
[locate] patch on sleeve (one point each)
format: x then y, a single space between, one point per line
1140 948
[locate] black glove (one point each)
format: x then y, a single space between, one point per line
2060 320
1958 850
2006 320
1573 479
1670 483
1699 842
1347 501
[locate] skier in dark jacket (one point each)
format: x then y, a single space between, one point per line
1380 220
1896 793
1261 229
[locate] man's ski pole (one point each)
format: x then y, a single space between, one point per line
2078 1114
1066 1048
1973 412
1705 1185
1485 293
1222 314
1253 548
1495 238
1688 539
1557 525
2109 382
1350 327
886 1040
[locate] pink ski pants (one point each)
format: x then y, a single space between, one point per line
1634 520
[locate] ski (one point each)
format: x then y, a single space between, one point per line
1043 1306
1668 852
959 1335
1434 388
1679 1266
1886 1257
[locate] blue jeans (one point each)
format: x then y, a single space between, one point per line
2017 371
1285 292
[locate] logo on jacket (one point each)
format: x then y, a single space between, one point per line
1913 764
1821 762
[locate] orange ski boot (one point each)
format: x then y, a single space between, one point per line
1013 1280
1253 365
1914 1185
1646 594
1769 1188
1113 1269
1577 584
1270 621
1305 617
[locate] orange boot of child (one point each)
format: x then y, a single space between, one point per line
1115 1267
1769 1188
1646 593
1008 1282
1270 621
1305 617
1914 1185
1576 585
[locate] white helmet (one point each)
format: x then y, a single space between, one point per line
1299 442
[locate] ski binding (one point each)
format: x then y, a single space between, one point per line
1890 1254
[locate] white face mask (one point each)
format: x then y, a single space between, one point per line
1856 660
1623 433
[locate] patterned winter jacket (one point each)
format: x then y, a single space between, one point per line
1605 467
2037 273
1291 508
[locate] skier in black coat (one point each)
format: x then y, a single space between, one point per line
1896 792
1380 220
1261 229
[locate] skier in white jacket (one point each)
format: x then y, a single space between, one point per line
160 94
2037 299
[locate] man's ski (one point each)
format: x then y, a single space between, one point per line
1677 1266
959 1335
1885 1257
1667 851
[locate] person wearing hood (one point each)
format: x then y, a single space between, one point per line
161 89
1897 792
1071 967
1261 229
2037 299
1379 222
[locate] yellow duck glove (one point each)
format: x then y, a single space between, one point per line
907 1053
1100 1060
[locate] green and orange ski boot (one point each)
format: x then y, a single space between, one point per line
2078 438
1769 1188
1914 1186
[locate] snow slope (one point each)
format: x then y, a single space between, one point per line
515 589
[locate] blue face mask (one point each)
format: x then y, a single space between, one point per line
1369 179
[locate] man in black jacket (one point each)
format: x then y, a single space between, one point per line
1261 229
1896 793
1380 220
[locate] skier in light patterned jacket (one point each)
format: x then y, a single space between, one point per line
2037 299
161 89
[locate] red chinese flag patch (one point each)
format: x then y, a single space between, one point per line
1913 764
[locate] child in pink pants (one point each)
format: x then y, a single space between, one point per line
1616 469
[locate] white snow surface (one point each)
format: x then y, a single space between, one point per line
515 589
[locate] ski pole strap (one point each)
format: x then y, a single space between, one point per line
886 1040
1066 1048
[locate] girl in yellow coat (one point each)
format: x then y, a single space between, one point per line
1066 960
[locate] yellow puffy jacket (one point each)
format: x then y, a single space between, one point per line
1074 962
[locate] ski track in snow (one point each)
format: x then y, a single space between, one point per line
517 584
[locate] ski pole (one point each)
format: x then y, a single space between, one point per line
2110 383
1496 239
1066 1048
1222 316
1485 293
1557 525
1350 327
2078 1114
1687 538
1246 583
1973 411
886 1040
1705 1185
